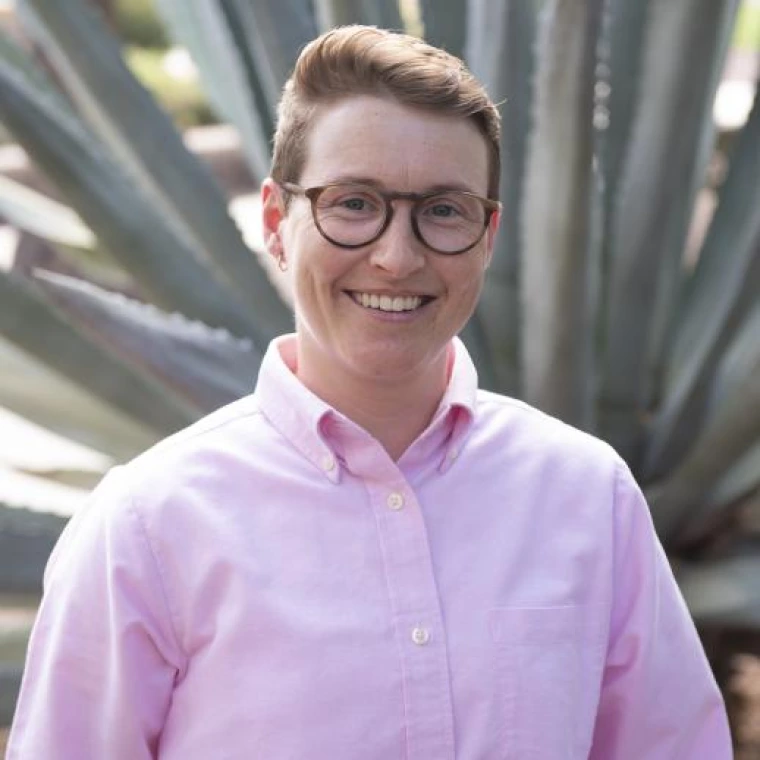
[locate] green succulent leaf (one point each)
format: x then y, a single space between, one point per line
729 493
729 433
26 540
681 53
725 591
44 396
272 33
619 93
621 60
36 213
743 476
16 58
511 76
446 24
701 136
722 291
557 308
208 368
132 230
146 142
382 13
30 322
226 71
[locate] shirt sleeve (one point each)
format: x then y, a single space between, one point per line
102 657
659 699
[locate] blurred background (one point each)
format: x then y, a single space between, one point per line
623 296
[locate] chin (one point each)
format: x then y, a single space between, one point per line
387 363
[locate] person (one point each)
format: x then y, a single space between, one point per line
369 557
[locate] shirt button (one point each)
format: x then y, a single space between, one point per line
395 501
328 462
420 636
453 454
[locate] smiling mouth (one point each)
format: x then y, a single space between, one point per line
389 303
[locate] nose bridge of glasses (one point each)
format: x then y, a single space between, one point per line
398 245
412 200
408 218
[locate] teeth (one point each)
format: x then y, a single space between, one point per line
386 303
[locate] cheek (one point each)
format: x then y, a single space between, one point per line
467 279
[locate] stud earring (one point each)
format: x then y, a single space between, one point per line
282 265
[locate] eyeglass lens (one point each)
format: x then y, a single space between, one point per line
353 215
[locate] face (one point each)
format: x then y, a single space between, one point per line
396 148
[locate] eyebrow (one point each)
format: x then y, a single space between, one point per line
354 179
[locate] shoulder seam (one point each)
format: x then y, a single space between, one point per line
143 531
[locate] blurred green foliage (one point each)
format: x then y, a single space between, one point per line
747 30
182 98
137 23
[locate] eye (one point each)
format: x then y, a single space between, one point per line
451 208
354 204
442 209
353 201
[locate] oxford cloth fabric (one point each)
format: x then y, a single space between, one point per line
270 584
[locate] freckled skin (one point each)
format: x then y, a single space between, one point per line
403 149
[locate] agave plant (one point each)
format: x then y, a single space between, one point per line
591 309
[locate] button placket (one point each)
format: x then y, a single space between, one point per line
417 621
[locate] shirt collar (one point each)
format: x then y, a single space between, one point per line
313 426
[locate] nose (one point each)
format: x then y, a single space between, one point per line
397 251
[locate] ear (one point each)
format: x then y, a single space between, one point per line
272 215
493 228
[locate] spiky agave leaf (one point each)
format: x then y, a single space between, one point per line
26 539
143 138
271 33
619 83
207 367
674 274
729 432
41 216
509 69
445 24
46 397
557 305
658 175
132 230
722 291
743 476
384 13
226 71
30 322
739 483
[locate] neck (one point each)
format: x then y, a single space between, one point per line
394 411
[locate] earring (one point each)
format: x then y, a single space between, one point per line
275 246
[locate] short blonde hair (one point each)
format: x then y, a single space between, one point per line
364 60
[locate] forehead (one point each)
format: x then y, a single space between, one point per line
398 146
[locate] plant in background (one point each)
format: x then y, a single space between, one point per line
591 310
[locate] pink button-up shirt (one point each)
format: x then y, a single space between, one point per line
270 584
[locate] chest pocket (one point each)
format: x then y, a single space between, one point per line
546 668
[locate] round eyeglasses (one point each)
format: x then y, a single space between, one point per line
352 215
